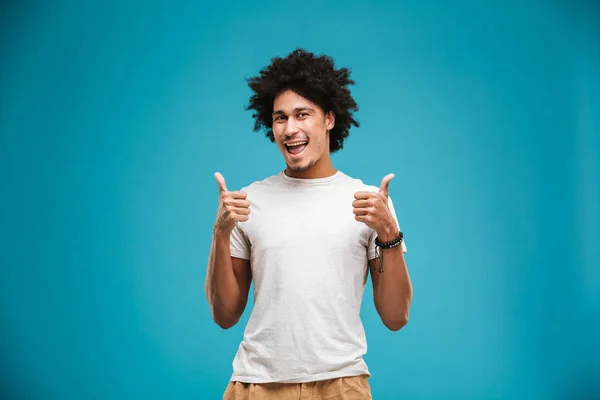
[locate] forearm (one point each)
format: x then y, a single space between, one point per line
222 288
393 295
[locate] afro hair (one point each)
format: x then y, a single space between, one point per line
314 78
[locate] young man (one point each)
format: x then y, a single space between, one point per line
307 237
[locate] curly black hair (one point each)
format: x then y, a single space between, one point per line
314 78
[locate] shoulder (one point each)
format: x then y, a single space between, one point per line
357 184
264 184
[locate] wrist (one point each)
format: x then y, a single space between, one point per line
388 234
220 231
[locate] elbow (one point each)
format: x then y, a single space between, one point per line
225 323
223 320
397 323
395 318
399 319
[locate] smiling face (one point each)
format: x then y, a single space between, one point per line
301 131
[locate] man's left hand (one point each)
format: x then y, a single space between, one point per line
372 209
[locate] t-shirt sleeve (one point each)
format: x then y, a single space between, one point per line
239 243
371 252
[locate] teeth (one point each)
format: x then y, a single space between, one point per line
295 144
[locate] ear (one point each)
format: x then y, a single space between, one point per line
330 120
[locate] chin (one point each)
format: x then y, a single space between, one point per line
301 167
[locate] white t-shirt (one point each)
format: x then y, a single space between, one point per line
309 266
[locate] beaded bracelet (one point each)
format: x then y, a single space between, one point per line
391 244
386 245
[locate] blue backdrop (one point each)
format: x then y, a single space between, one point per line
114 117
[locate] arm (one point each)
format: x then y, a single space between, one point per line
392 288
227 278
227 282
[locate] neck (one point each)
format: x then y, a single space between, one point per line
322 169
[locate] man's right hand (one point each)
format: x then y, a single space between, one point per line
233 207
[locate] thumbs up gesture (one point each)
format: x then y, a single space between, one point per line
233 206
372 209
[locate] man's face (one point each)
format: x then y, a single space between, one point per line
301 130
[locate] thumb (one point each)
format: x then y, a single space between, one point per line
220 182
385 184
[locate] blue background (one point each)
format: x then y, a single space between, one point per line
114 117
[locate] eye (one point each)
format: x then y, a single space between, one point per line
302 115
280 118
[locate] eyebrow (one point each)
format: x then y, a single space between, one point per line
298 109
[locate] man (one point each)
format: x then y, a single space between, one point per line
307 237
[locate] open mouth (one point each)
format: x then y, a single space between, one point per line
296 147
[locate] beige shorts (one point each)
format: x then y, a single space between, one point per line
347 388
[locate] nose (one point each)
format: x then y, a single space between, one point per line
291 127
